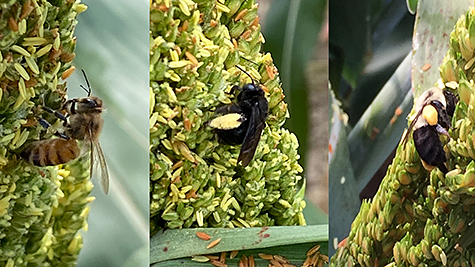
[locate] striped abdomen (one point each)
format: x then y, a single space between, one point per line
51 152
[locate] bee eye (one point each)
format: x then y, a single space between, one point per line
249 87
429 113
89 102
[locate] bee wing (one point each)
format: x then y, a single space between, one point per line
96 150
253 135
412 126
420 104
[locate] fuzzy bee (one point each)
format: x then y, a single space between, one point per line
82 121
243 122
435 107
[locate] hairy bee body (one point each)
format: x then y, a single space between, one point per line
85 118
51 152
434 108
82 121
429 147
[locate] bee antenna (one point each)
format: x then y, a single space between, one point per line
88 89
250 61
237 66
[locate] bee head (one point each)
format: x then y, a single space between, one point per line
250 87
89 104
452 101
83 105
250 90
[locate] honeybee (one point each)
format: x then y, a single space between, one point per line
82 121
244 121
434 108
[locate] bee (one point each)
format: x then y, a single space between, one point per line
435 107
82 121
244 121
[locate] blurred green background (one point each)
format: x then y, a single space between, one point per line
112 47
296 34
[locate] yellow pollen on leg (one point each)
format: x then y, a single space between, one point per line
228 121
429 113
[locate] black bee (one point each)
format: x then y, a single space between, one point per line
434 108
243 122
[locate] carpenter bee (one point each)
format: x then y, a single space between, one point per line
435 107
243 122
82 121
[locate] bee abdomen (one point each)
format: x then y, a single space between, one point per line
51 152
233 136
429 147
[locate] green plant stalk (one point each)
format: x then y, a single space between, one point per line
295 254
41 209
170 245
195 180
421 217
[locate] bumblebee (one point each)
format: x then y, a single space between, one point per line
244 121
435 107
82 121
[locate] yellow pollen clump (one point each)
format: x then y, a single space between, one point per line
430 115
228 121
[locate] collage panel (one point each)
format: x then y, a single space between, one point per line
232 98
402 88
112 48
67 68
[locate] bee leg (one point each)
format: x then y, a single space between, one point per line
442 130
46 125
234 88
442 168
228 109
58 115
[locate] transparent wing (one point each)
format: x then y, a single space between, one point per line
420 107
406 136
98 155
103 165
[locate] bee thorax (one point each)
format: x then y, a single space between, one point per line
84 126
